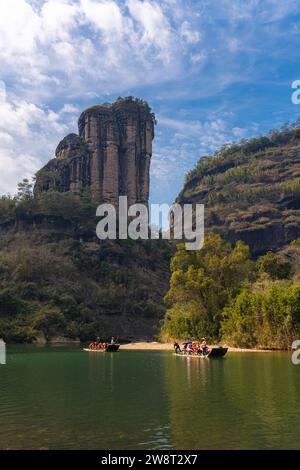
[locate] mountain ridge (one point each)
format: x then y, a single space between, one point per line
251 190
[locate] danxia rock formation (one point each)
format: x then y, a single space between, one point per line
251 191
111 155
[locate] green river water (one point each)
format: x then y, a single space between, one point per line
64 398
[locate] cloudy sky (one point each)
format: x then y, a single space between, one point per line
214 71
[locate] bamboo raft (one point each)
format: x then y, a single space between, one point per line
108 348
214 352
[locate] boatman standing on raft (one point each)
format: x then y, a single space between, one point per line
203 346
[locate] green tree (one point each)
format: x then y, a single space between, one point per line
265 315
276 266
50 320
202 282
25 190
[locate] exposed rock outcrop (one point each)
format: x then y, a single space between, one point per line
69 171
111 154
251 191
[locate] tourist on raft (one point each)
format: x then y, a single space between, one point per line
97 345
194 347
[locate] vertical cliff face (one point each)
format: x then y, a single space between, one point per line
111 155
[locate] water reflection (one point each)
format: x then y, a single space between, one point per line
243 401
148 400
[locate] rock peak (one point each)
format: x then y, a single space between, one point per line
111 154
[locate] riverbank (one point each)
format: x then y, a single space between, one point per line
156 346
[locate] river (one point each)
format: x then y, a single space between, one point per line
63 398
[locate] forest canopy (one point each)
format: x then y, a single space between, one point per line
220 293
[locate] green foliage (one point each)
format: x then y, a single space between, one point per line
25 190
74 210
233 154
124 100
10 305
76 289
202 282
49 320
47 179
218 292
7 206
276 266
266 316
251 190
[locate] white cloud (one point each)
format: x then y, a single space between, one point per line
61 50
198 58
187 141
233 44
14 169
209 134
57 19
70 109
54 53
28 136
239 132
104 15
153 28
19 27
66 46
190 35
2 91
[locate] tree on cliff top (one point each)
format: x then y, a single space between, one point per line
25 190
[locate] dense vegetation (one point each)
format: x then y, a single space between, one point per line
57 279
263 210
239 152
243 287
221 293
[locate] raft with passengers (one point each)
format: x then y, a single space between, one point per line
102 346
198 349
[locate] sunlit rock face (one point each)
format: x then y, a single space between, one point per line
251 191
111 155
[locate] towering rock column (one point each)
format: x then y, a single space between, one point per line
111 155
127 116
136 124
98 129
145 160
89 131
110 183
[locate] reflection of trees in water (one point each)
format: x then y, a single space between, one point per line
263 389
243 401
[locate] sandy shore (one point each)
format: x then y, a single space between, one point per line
156 346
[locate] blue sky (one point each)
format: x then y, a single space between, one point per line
214 71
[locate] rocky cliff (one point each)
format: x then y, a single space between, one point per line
111 155
58 279
251 191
